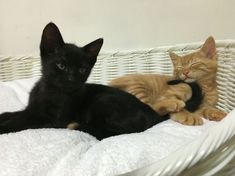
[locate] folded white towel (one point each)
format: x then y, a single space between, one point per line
61 152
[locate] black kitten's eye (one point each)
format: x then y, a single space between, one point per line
82 70
60 66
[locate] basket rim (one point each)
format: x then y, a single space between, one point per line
227 43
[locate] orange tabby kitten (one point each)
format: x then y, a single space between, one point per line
200 66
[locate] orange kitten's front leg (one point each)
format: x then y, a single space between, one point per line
73 126
187 118
173 99
212 113
168 105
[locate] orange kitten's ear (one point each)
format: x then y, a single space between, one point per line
174 57
209 48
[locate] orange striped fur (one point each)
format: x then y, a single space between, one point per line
152 89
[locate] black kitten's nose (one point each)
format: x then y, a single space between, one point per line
70 75
71 78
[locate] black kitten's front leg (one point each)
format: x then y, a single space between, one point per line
17 121
13 121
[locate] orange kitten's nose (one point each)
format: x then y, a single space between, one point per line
186 72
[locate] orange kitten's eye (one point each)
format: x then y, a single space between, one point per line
179 67
199 65
195 63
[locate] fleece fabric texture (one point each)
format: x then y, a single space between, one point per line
62 152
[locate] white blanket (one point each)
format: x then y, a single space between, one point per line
61 152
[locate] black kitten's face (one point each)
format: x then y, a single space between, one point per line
73 63
66 65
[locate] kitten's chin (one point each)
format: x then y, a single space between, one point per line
189 80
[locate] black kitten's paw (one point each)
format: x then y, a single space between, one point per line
3 130
6 122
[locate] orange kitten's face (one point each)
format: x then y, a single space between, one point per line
194 67
198 65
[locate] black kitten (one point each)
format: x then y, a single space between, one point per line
61 96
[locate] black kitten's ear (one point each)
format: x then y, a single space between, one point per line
92 49
51 39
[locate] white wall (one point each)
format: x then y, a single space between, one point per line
124 24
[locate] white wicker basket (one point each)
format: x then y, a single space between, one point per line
210 154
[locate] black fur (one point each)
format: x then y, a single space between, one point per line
197 96
61 95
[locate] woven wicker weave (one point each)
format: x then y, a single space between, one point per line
112 65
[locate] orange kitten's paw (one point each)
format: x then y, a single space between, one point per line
73 126
166 106
214 114
187 118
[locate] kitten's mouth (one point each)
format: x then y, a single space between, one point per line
188 79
